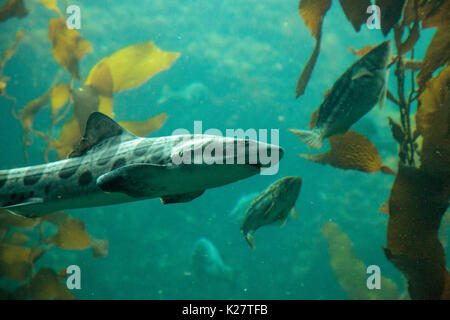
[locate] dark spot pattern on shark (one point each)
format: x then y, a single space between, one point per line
156 157
141 148
103 161
119 163
69 169
32 176
85 178
110 150
15 198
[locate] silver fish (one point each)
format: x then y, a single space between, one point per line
354 94
208 264
272 205
111 165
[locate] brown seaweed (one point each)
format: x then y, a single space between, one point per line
355 11
421 191
312 12
351 150
13 8
391 12
19 252
350 270
68 46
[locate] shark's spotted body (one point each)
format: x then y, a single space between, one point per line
111 165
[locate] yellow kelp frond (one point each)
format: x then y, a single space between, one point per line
350 270
31 109
145 127
51 5
15 261
351 150
46 284
100 78
69 136
125 69
131 66
11 50
71 235
60 95
68 46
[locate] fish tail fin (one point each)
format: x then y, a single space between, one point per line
283 222
250 240
166 95
313 138
294 213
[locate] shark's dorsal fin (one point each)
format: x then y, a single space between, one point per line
99 127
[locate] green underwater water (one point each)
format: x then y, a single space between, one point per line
245 56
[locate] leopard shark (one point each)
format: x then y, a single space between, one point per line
110 165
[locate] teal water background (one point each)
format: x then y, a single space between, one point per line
249 55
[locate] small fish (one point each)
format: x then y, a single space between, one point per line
207 263
354 94
272 205
189 94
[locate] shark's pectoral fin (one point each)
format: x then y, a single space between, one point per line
26 202
133 180
362 72
15 208
184 197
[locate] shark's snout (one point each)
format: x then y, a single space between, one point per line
257 153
